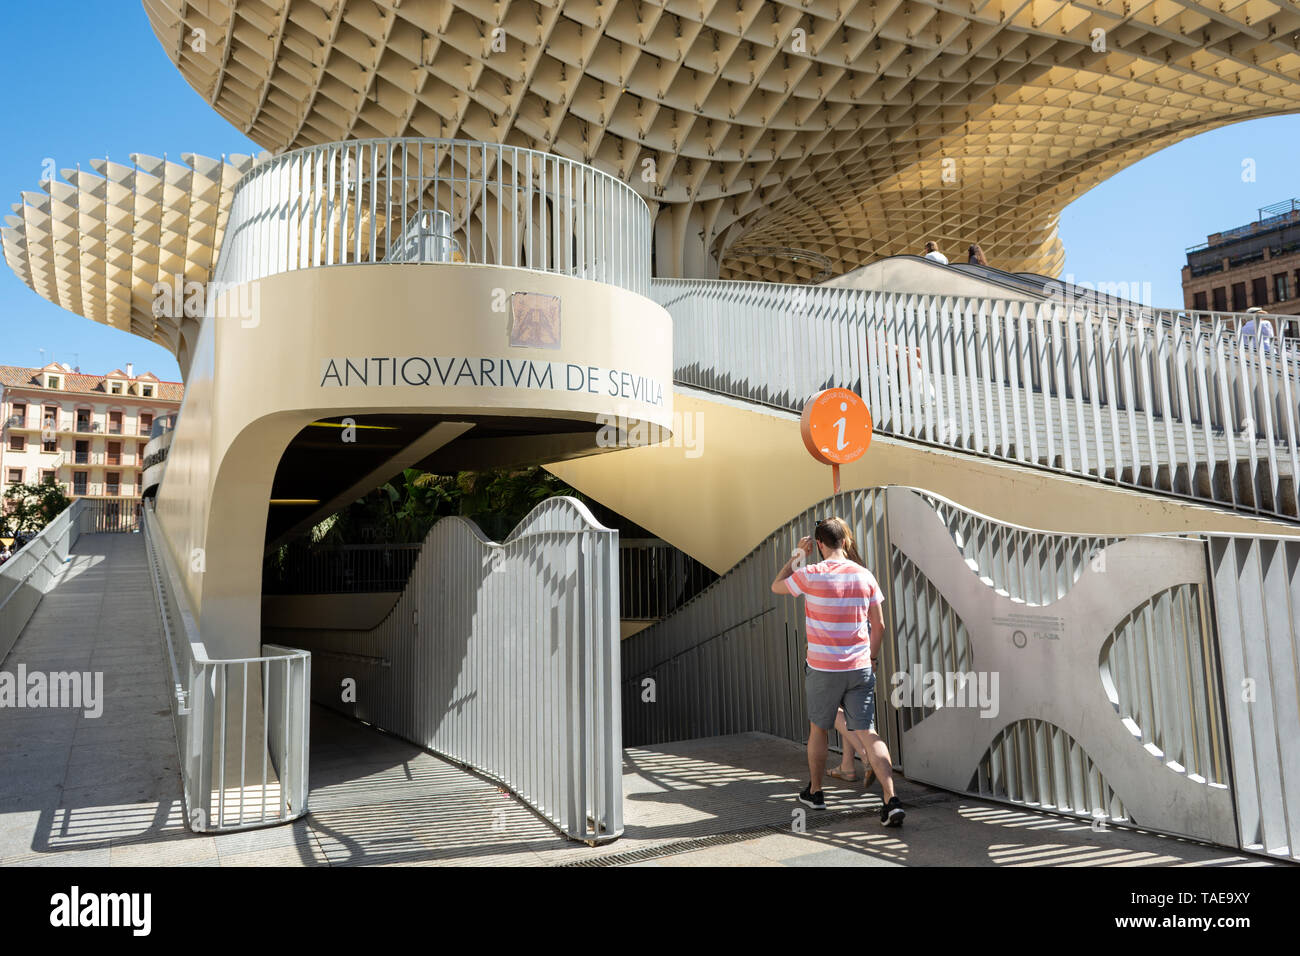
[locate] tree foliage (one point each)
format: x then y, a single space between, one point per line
404 509
29 508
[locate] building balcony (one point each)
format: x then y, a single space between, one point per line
439 201
100 491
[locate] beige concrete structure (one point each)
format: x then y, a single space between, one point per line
775 138
772 140
230 442
750 472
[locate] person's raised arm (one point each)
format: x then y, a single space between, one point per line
779 586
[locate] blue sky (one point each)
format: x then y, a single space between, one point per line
100 84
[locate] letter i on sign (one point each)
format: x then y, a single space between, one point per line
836 429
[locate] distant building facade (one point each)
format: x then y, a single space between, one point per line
86 432
1255 265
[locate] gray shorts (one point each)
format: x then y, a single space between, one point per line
827 691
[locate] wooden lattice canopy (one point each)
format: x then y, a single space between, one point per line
849 129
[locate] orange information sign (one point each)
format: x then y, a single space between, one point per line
836 428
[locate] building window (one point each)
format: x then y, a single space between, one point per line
1259 291
19 412
1239 297
82 453
1198 301
51 418
1280 291
15 476
52 381
139 483
78 482
1220 299
47 474
115 423
146 423
83 419
113 483
17 443
114 453
115 388
50 444
146 391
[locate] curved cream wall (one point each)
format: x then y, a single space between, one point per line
745 471
257 379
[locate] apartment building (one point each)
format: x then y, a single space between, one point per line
87 432
1255 265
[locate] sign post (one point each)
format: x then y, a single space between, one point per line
836 429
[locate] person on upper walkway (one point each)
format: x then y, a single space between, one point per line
934 255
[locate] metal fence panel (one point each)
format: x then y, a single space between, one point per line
31 572
242 725
503 657
435 200
1256 585
1110 695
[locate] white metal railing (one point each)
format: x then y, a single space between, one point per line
242 725
105 515
1171 402
1147 680
421 200
31 572
503 657
1256 581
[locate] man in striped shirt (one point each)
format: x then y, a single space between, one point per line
845 625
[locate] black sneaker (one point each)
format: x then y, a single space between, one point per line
815 800
892 813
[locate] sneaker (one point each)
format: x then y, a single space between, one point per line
892 813
815 800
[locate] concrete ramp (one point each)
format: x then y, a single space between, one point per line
75 782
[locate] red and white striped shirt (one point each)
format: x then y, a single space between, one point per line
837 595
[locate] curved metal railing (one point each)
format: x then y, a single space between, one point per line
435 200
1172 402
503 657
1112 665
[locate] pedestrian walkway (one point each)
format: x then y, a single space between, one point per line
71 785
106 791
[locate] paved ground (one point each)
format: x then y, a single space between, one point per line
72 786
106 791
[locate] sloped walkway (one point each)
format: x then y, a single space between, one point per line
71 784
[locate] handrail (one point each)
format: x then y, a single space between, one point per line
491 660
20 602
265 747
1171 401
356 202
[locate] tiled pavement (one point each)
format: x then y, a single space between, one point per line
106 791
